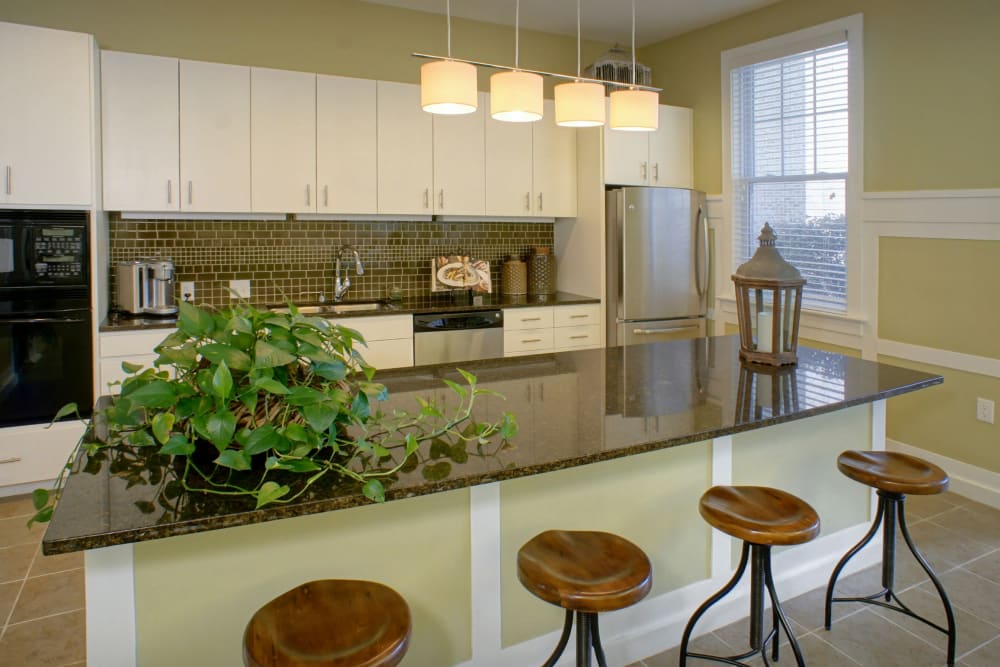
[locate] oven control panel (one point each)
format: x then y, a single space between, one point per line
59 253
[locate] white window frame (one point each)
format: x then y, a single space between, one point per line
836 328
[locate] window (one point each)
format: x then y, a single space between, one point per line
790 106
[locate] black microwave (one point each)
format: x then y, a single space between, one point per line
43 248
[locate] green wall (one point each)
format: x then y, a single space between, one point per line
343 37
931 93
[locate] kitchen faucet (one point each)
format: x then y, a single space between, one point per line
340 286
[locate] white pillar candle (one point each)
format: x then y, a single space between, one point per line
764 331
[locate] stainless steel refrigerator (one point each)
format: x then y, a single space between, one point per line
658 264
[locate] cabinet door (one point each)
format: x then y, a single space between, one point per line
215 137
45 100
282 141
553 166
459 157
626 157
404 151
346 145
670 154
139 132
508 168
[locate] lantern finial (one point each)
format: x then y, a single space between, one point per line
767 236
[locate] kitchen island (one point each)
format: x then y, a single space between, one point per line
620 439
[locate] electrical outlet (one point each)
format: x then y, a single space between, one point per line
187 291
239 289
984 410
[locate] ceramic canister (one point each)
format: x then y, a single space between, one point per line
514 276
541 271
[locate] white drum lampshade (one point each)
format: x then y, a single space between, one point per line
635 110
448 87
516 96
579 104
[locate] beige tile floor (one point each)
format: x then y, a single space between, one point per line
42 599
960 538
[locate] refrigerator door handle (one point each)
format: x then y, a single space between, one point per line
701 255
653 332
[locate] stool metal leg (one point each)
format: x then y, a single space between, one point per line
595 636
890 508
563 640
780 614
583 640
723 592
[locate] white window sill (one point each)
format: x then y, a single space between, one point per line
844 330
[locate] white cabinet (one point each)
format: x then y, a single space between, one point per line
346 145
135 347
45 132
551 328
459 162
553 171
35 453
661 158
405 161
282 141
214 137
388 338
508 168
140 134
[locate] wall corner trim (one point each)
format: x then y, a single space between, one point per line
967 480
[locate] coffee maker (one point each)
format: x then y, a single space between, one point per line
146 286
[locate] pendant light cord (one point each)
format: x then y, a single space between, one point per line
633 43
517 29
578 39
448 7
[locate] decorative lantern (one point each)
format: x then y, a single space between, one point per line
768 305
765 391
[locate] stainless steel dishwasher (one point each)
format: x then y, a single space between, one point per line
446 337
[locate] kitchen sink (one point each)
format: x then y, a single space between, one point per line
338 308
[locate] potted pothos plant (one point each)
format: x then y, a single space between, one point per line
243 389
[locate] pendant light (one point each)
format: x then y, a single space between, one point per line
448 86
579 103
634 109
516 96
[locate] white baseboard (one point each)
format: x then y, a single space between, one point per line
967 480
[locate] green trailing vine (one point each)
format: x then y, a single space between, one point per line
244 389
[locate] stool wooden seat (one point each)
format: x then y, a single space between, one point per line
584 572
759 514
329 623
761 517
893 472
894 476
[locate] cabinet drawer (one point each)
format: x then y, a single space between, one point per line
572 316
588 335
529 340
385 354
527 318
123 343
379 327
35 453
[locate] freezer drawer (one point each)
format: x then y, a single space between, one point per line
636 333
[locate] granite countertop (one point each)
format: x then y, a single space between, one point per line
591 408
412 305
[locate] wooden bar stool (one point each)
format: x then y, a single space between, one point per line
585 573
893 475
762 517
329 623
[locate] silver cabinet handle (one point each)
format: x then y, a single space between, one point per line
541 390
13 459
576 317
170 191
527 201
642 170
653 332
190 192
10 180
308 197
578 337
530 319
540 206
441 199
326 195
531 340
656 172
427 197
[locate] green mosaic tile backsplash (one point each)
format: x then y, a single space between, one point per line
294 259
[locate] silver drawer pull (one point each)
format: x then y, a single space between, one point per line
576 317
531 340
653 332
578 337
13 459
530 319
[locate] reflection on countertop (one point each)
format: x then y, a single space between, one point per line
573 408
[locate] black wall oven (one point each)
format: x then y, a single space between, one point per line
46 356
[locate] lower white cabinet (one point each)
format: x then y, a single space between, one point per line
551 328
35 453
388 338
135 347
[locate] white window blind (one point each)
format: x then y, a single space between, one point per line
789 139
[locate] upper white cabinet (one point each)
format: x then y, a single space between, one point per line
139 107
282 141
405 148
214 137
45 134
346 145
508 168
459 162
661 158
553 150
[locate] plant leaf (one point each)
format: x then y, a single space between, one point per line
262 439
39 499
194 321
435 472
374 490
319 415
233 357
141 438
439 449
68 409
297 465
296 433
470 379
162 423
222 381
156 394
131 368
269 356
177 445
235 459
218 428
299 396
360 406
270 492
270 385
334 371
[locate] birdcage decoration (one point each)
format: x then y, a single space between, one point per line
616 65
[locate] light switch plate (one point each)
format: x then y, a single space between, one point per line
187 291
239 289
984 410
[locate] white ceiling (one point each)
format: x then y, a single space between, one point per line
601 20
